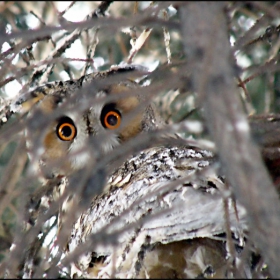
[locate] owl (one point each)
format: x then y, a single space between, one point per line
134 200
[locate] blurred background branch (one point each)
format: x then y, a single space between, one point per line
213 69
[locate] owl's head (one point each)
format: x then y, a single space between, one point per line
76 112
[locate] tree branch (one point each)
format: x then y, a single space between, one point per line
206 43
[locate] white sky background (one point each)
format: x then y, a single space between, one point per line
77 13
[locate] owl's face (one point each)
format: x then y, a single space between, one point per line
64 141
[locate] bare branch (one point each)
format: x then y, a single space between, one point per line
206 43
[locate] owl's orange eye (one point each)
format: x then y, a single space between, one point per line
112 120
66 129
110 117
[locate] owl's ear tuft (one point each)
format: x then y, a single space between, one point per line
133 71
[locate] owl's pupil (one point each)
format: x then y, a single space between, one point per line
66 131
112 120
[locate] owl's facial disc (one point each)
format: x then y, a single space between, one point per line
69 141
66 143
59 137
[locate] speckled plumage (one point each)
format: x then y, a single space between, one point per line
166 198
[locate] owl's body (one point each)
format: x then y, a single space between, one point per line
160 212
